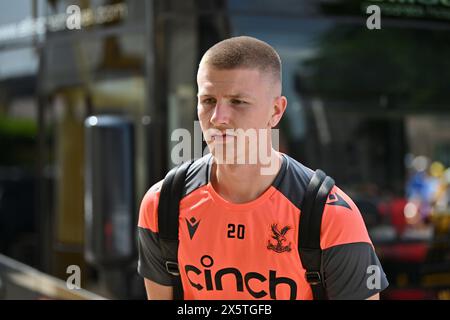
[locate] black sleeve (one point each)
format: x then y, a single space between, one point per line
150 263
352 272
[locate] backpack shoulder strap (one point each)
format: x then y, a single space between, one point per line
309 248
168 212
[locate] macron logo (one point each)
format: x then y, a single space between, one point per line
192 225
336 200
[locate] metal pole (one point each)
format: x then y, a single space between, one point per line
156 91
43 212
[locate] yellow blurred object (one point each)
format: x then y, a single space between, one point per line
446 176
436 279
402 280
437 169
441 222
444 295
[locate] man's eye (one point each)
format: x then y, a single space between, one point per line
236 101
209 101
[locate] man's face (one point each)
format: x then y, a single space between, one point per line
234 99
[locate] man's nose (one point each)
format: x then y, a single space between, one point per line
221 115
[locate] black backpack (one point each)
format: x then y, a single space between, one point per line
309 249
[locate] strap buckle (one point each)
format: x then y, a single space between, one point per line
172 268
313 277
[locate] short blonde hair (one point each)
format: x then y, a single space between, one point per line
244 52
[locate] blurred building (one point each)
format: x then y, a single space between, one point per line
359 101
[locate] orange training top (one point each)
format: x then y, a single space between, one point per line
249 251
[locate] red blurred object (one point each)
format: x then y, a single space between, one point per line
408 294
405 252
397 209
394 210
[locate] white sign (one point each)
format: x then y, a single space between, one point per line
73 19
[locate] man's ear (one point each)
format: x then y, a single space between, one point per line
278 110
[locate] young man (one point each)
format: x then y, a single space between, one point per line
238 219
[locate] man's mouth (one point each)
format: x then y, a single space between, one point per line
221 137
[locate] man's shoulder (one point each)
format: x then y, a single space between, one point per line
156 187
149 208
196 176
296 167
342 222
293 180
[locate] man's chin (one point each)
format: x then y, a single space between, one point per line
232 158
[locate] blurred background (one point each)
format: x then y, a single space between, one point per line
86 116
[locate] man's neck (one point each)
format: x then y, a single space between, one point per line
241 183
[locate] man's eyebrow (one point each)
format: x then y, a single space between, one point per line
237 95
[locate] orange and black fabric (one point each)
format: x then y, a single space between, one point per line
249 251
